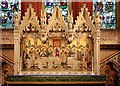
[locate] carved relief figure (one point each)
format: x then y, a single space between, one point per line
57 53
43 52
87 56
37 53
63 57
35 64
51 52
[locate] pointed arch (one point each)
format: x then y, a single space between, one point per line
114 64
7 63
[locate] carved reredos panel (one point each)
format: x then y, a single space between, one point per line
56 46
56 53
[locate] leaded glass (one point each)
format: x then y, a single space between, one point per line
50 5
7 9
107 13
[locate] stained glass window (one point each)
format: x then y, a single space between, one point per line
107 13
50 5
7 9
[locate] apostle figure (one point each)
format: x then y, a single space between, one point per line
47 53
50 50
63 57
35 63
43 52
56 52
37 53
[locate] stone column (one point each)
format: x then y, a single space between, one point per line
97 52
16 52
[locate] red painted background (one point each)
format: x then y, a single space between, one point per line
36 5
76 6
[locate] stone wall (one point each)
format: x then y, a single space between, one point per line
109 37
104 53
7 36
9 53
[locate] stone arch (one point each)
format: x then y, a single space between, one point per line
115 66
111 69
7 66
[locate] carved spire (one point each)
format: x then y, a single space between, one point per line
87 18
30 6
16 20
57 11
44 31
70 34
97 20
78 27
43 19
70 20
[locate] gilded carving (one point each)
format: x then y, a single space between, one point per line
56 46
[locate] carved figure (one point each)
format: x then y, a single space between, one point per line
57 54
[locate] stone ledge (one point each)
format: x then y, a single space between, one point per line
56 78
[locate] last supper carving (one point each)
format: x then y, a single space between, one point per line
57 47
56 53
